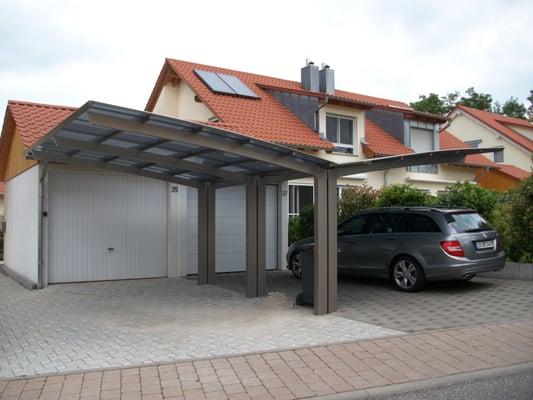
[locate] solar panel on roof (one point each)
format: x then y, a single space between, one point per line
213 81
225 84
237 85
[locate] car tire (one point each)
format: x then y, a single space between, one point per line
296 265
407 275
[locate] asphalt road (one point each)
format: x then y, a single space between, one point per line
515 386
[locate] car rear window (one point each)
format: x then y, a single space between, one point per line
467 222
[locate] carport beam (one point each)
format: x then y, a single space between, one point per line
206 233
325 265
255 237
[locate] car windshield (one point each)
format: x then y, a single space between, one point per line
467 223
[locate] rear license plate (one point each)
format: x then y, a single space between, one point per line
486 244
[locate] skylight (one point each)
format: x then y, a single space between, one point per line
225 84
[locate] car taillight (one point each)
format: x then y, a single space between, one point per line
452 247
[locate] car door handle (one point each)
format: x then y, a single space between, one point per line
351 242
390 238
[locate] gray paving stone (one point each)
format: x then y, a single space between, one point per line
111 324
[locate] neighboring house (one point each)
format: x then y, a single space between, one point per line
482 129
98 224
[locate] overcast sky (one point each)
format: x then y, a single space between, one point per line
67 52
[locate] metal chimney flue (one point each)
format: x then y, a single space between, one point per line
310 77
327 79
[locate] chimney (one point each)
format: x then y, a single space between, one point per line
327 80
310 79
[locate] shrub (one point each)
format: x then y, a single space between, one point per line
521 223
355 199
500 220
403 195
303 225
468 195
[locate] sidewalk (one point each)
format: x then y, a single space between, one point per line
308 372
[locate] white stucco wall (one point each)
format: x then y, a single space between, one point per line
22 215
177 100
447 175
466 128
527 132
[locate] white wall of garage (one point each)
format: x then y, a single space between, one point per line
91 211
151 225
231 229
22 229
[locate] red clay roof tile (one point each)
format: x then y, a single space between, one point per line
34 120
264 118
499 123
381 143
448 141
514 171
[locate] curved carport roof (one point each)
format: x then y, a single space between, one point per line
191 153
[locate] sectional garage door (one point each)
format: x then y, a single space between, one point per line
106 226
231 229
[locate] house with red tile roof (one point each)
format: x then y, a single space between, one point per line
337 125
483 128
81 210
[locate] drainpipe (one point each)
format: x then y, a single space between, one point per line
385 180
317 110
40 245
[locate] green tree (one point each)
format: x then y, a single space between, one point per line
530 108
431 103
481 101
513 108
403 195
435 104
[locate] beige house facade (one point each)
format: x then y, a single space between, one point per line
481 128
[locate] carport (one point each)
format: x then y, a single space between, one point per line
206 157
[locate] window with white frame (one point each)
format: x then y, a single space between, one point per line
341 132
303 195
421 140
299 197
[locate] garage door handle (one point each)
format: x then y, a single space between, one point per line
110 249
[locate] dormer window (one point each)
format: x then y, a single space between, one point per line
422 140
341 132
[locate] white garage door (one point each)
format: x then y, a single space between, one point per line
106 226
231 229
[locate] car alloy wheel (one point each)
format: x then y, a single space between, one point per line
407 275
296 265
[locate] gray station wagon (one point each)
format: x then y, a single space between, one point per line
413 245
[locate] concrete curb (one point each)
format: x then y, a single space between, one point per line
513 271
416 386
21 280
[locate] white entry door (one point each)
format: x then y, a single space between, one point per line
106 226
231 229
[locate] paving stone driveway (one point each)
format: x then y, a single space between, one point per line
104 324
441 305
